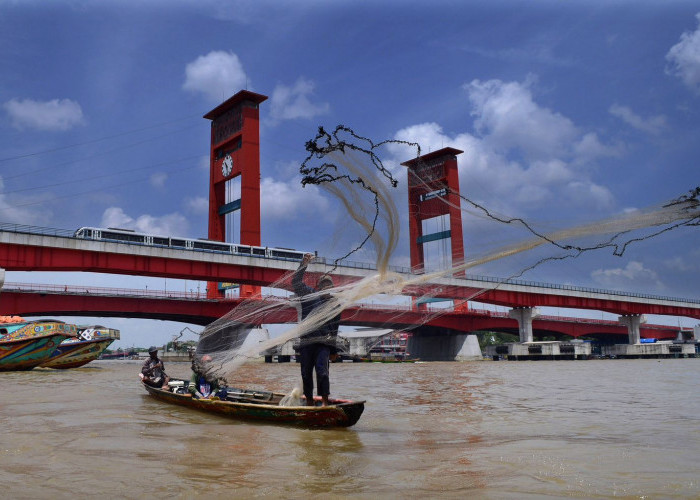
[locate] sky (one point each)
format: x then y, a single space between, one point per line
567 112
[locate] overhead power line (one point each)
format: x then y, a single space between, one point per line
93 141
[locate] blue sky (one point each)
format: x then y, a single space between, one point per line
567 112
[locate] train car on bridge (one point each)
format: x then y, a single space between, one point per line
113 234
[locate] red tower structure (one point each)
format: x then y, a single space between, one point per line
431 177
235 151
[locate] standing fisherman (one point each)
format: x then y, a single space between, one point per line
315 346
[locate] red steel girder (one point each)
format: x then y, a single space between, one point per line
203 312
14 257
19 257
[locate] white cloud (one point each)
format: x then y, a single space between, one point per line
198 205
511 186
217 75
588 148
684 58
289 103
584 192
158 179
508 118
634 276
653 125
680 264
55 115
287 201
167 225
12 213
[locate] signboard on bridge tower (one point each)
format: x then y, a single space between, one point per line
235 152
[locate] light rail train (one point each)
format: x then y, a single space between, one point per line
204 245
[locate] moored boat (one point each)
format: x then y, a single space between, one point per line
24 345
264 406
87 346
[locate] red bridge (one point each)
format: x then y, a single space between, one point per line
25 248
235 152
41 300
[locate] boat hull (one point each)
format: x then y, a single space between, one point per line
27 353
340 413
28 344
76 354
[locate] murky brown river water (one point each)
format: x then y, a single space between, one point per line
591 429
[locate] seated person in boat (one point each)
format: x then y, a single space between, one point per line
202 384
153 371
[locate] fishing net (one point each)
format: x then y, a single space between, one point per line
349 168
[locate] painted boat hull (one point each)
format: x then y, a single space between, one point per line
76 354
340 413
27 353
25 345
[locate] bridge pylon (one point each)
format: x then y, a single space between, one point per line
433 191
235 152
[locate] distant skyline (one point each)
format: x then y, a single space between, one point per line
567 112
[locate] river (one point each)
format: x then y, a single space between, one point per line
591 429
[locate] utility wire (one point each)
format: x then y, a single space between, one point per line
112 174
95 155
93 141
91 191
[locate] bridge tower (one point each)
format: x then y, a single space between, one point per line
235 152
432 179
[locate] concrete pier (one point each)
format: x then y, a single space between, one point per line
524 317
455 347
532 351
633 321
664 349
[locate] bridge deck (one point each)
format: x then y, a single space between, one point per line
24 248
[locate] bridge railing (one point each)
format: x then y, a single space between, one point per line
25 229
201 296
65 233
104 291
510 281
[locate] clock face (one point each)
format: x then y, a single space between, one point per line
227 166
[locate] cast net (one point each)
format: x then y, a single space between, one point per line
350 169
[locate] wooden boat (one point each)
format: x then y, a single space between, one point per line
264 406
28 344
87 346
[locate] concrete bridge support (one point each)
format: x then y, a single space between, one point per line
524 317
2 277
632 322
696 332
445 347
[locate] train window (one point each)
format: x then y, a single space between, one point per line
216 247
243 249
258 251
157 240
177 243
131 238
83 233
286 254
